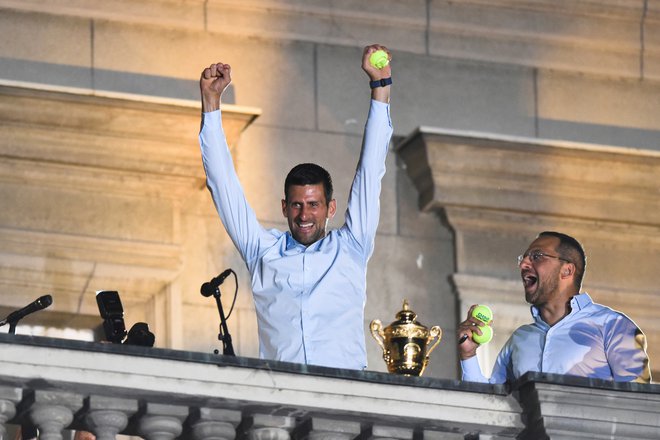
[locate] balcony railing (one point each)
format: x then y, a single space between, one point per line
59 385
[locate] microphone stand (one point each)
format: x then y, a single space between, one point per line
223 334
12 325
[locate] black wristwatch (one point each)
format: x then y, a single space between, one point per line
380 82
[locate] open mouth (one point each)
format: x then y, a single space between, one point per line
529 280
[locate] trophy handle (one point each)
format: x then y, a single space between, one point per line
435 332
376 328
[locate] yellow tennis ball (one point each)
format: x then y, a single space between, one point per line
483 314
485 337
379 59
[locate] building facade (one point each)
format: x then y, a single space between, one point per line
510 117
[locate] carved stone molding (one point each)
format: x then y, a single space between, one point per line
9 397
94 186
546 417
318 428
517 174
203 396
213 423
107 416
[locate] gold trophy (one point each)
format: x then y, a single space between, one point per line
406 343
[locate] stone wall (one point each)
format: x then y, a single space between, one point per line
571 70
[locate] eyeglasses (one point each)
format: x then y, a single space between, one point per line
535 256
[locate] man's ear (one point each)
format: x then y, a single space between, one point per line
332 208
568 270
284 207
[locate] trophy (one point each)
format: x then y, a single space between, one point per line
406 343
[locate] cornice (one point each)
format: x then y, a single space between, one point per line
83 140
571 180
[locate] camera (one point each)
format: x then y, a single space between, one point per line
112 313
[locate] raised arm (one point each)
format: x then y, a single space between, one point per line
221 179
363 210
381 94
213 82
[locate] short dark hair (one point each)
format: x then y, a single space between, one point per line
570 249
309 174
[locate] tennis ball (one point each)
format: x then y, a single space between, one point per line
486 336
483 314
379 59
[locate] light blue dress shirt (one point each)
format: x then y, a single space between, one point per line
309 300
591 341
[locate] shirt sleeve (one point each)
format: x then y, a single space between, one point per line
625 345
363 211
228 196
501 374
472 371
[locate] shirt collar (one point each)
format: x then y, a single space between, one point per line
578 302
292 243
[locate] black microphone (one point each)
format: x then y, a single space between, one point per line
208 289
35 306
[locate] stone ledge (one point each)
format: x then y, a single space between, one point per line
188 386
588 411
187 14
533 176
191 379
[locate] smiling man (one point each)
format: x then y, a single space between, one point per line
308 204
570 334
308 284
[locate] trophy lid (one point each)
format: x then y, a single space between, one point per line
405 315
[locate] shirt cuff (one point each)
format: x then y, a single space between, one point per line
213 119
472 370
376 103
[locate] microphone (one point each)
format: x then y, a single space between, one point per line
208 289
35 306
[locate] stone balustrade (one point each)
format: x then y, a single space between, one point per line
59 385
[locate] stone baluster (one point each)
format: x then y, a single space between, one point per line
317 428
429 434
214 424
9 397
107 416
384 432
162 422
52 411
266 427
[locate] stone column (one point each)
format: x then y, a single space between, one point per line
9 397
317 428
52 411
162 422
266 427
214 424
107 416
